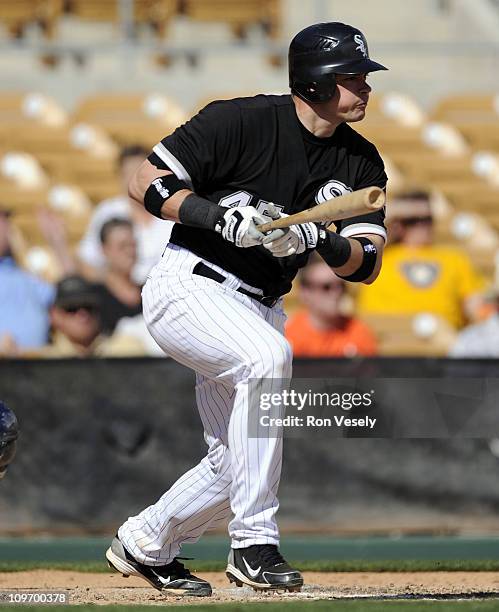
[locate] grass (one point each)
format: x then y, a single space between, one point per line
407 565
312 606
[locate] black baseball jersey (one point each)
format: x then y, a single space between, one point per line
252 151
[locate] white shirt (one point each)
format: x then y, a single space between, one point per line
152 238
479 340
135 327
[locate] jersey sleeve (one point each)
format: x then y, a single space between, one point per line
371 173
204 150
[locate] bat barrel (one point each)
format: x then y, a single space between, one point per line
345 206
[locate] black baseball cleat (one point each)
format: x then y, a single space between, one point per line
172 578
262 567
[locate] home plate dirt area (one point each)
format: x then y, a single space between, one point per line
101 588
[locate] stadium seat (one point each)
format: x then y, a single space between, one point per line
431 167
391 138
394 108
98 178
132 118
420 335
476 116
239 14
16 14
480 135
464 107
156 12
16 199
88 160
471 196
30 108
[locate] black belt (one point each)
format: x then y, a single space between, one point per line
202 269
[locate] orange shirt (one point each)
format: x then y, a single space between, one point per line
355 338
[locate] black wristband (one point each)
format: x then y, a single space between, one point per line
370 254
200 212
160 190
334 249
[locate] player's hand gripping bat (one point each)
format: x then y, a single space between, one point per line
345 206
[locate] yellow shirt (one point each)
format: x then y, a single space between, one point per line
432 279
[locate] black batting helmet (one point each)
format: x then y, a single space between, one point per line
322 50
9 432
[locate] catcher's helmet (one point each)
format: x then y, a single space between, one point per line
322 50
9 431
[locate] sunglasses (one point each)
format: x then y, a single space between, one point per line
410 221
75 309
325 287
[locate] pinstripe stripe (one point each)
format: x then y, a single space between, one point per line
211 328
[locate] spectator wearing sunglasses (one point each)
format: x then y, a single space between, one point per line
419 275
324 327
76 325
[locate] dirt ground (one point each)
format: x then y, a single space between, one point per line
114 589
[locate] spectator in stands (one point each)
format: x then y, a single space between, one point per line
24 299
322 328
152 233
418 275
76 325
119 294
481 339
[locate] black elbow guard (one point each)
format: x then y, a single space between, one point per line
370 253
160 190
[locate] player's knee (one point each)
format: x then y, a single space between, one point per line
272 359
218 458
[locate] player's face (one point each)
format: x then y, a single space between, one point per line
351 97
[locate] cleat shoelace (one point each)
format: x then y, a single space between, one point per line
175 569
270 555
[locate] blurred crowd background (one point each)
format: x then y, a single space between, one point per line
87 87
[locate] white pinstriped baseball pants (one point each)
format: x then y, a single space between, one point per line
227 338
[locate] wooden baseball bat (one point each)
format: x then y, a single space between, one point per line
345 206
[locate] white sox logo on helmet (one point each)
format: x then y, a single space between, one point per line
332 189
362 46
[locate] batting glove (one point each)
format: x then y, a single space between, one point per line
240 227
296 240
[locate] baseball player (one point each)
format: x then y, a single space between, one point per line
214 301
9 432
